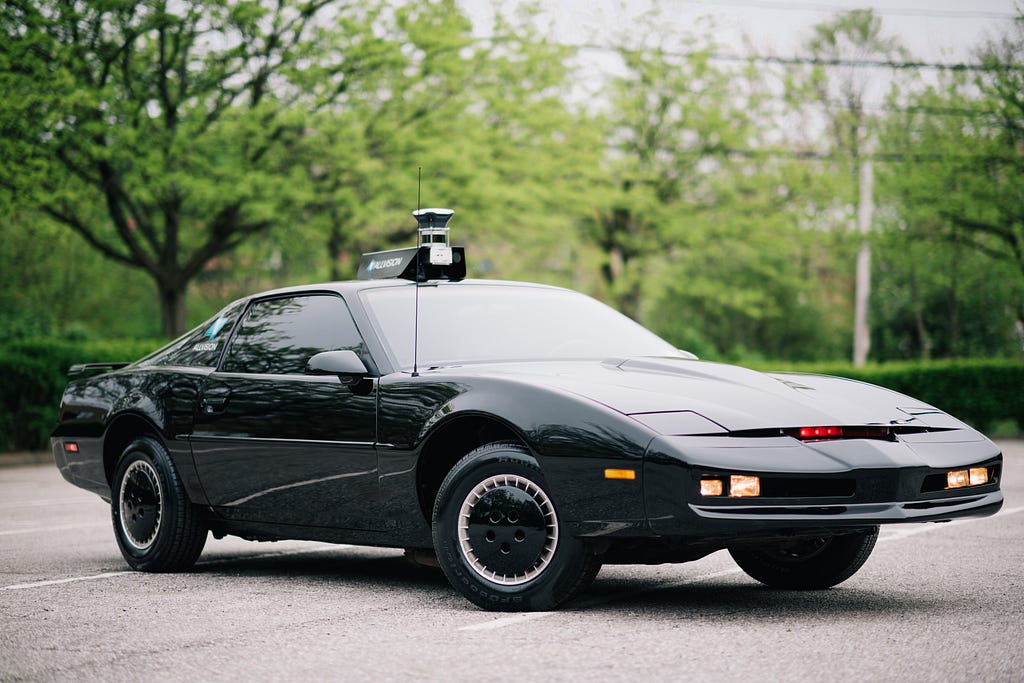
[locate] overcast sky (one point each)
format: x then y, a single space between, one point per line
933 30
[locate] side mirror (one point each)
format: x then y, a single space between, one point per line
345 364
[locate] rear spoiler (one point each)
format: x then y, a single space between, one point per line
83 370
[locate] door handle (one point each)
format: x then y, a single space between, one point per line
212 404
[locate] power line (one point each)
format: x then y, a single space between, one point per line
809 61
885 11
858 63
900 157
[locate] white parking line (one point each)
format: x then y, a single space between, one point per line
58 527
14 505
56 582
506 621
205 563
502 622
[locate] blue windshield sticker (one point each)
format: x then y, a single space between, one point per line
216 327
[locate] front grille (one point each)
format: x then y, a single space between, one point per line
807 487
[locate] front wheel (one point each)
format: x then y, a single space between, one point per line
156 526
498 536
807 564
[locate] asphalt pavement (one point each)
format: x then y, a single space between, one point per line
935 602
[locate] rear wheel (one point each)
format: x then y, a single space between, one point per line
498 536
807 564
156 526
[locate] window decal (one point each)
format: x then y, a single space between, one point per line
216 327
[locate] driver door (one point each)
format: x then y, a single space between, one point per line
273 444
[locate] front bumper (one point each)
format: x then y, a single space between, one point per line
859 513
815 486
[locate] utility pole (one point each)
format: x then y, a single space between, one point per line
862 295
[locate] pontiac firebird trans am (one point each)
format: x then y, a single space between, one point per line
524 434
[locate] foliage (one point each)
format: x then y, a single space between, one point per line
960 179
161 131
941 300
713 235
53 284
674 115
34 375
488 123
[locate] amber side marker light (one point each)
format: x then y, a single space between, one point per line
958 479
620 474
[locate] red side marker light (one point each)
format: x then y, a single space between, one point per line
71 447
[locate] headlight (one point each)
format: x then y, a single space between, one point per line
739 486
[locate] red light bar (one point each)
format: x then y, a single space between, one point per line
820 432
829 433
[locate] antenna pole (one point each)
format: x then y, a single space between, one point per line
416 315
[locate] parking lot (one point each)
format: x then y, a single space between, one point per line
934 602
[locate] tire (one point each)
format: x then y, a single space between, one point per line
499 539
156 526
807 564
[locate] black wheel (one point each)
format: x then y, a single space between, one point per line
807 564
498 537
157 528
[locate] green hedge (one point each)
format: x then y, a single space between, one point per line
33 375
32 378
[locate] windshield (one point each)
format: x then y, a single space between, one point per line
483 322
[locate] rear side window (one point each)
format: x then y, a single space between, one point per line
279 336
202 346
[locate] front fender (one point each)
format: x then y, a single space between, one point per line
573 438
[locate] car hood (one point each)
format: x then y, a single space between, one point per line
733 397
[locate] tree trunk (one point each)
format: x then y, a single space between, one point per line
923 338
954 301
172 309
862 295
335 249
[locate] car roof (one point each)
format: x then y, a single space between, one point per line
355 286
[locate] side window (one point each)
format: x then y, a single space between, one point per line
278 336
202 346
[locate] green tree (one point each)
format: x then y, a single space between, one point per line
957 177
961 144
675 116
704 234
489 124
838 89
161 131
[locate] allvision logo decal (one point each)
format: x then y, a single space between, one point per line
385 263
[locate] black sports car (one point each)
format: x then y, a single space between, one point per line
525 434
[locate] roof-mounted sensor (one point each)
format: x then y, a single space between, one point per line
432 259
